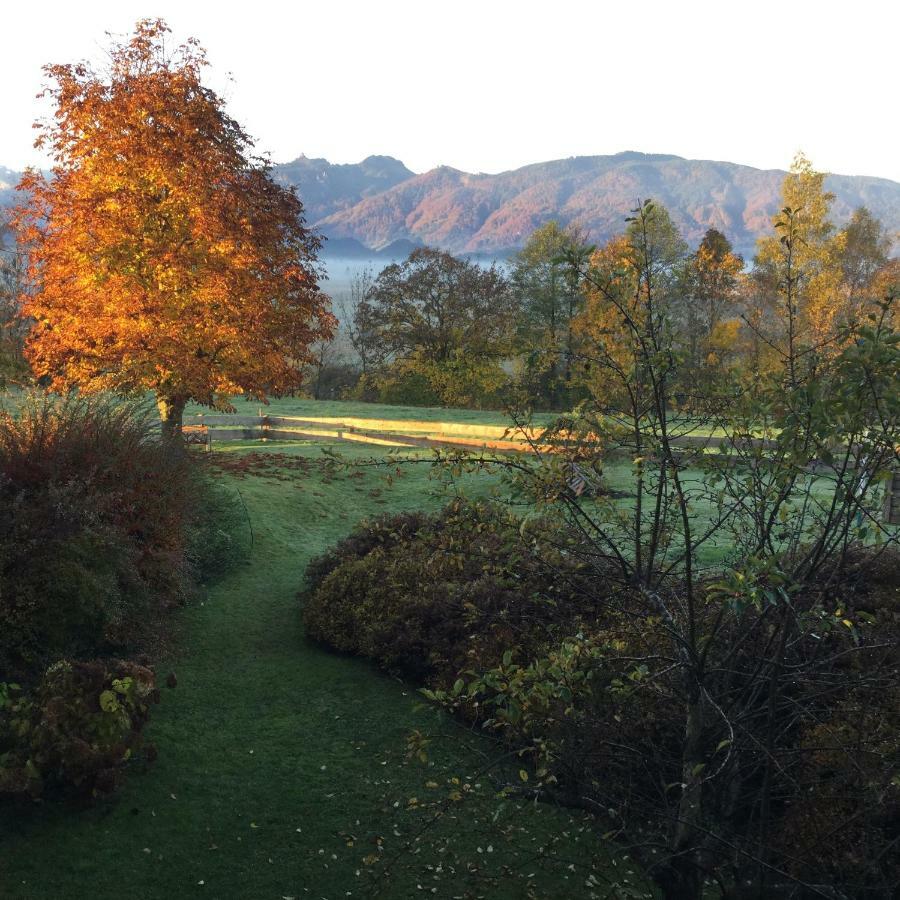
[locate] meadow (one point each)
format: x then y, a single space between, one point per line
304 407
283 769
287 771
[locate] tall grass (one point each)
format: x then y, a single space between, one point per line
99 522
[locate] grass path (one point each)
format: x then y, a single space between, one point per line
282 770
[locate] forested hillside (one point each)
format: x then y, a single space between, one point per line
370 205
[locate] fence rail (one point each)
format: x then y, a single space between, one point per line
209 429
206 430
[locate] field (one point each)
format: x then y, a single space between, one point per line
282 769
299 406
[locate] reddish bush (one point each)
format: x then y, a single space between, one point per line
95 529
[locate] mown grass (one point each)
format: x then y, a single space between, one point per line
300 406
12 397
282 769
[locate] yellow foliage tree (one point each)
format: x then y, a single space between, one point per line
706 314
609 354
632 293
797 276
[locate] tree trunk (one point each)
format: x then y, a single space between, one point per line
171 413
683 879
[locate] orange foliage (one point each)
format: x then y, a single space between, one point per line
163 256
600 326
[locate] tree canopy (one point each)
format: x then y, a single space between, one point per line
441 323
162 254
549 300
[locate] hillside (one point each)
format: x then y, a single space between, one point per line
493 213
380 205
8 181
327 188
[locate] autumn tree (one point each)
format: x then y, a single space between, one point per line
162 254
724 717
634 284
796 307
549 298
886 281
707 319
443 322
864 247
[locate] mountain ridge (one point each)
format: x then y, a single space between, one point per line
379 203
326 188
485 213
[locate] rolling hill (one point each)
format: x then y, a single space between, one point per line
8 181
495 213
380 205
328 189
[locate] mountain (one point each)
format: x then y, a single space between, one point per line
379 206
8 182
496 213
327 188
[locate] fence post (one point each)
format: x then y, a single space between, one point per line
207 444
891 511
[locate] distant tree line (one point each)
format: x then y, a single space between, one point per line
439 330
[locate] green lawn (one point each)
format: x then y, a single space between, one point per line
304 407
282 769
299 406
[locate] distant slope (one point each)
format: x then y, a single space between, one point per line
326 188
8 182
493 213
380 205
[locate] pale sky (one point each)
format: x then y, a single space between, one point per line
495 84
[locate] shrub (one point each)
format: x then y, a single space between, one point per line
384 531
97 519
458 381
839 822
405 385
597 716
427 597
219 537
503 625
76 731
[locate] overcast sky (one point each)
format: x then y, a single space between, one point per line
491 85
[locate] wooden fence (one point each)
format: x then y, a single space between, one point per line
205 430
